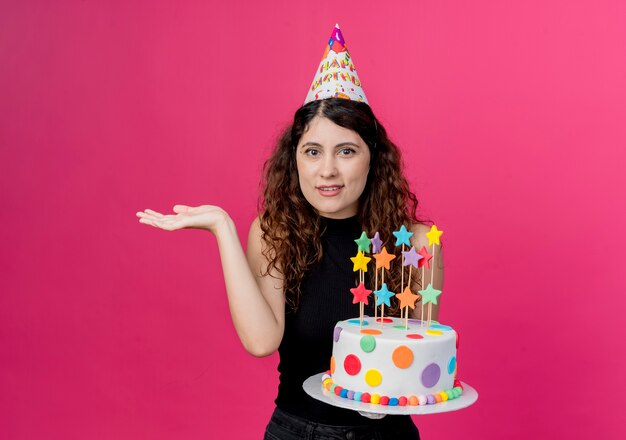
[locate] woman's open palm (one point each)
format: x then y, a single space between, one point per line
196 217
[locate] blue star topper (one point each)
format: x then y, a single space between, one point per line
402 236
383 295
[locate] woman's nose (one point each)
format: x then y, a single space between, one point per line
329 167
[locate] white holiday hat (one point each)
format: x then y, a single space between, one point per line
336 75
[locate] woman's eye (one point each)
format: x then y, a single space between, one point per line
346 151
311 152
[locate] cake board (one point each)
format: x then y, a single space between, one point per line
313 387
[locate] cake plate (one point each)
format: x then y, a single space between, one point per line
313 387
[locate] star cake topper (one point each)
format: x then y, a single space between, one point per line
426 257
363 242
403 236
360 262
430 294
411 257
360 294
383 295
433 236
407 298
376 243
383 259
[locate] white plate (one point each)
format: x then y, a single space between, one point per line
313 387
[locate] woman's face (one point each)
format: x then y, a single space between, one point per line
333 163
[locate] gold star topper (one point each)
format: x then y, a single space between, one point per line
433 236
360 262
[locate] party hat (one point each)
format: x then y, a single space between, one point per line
336 76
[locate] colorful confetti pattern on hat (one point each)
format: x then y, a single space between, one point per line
336 75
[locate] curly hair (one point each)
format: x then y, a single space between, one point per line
290 225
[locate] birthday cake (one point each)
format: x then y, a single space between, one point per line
394 361
389 364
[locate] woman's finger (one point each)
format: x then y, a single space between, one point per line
147 216
181 208
147 221
150 211
167 223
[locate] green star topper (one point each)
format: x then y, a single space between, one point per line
430 294
363 242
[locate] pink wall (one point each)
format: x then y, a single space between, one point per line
511 117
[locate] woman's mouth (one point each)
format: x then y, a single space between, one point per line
329 190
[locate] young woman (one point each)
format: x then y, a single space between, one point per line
334 173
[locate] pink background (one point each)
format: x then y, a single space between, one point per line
511 119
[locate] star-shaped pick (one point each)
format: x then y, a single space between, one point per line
433 236
430 294
402 236
411 257
407 298
383 295
360 262
360 294
363 242
426 257
383 259
376 243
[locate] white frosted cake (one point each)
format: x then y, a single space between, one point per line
388 364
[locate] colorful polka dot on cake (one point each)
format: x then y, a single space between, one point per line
370 331
402 357
336 333
352 364
431 375
373 377
452 365
368 344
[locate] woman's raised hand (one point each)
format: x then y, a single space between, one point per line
192 217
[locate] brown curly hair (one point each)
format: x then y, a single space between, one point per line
289 224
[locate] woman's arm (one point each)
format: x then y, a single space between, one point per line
419 239
256 301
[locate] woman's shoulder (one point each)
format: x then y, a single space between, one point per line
419 228
419 238
255 226
419 231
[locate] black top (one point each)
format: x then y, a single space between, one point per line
307 344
